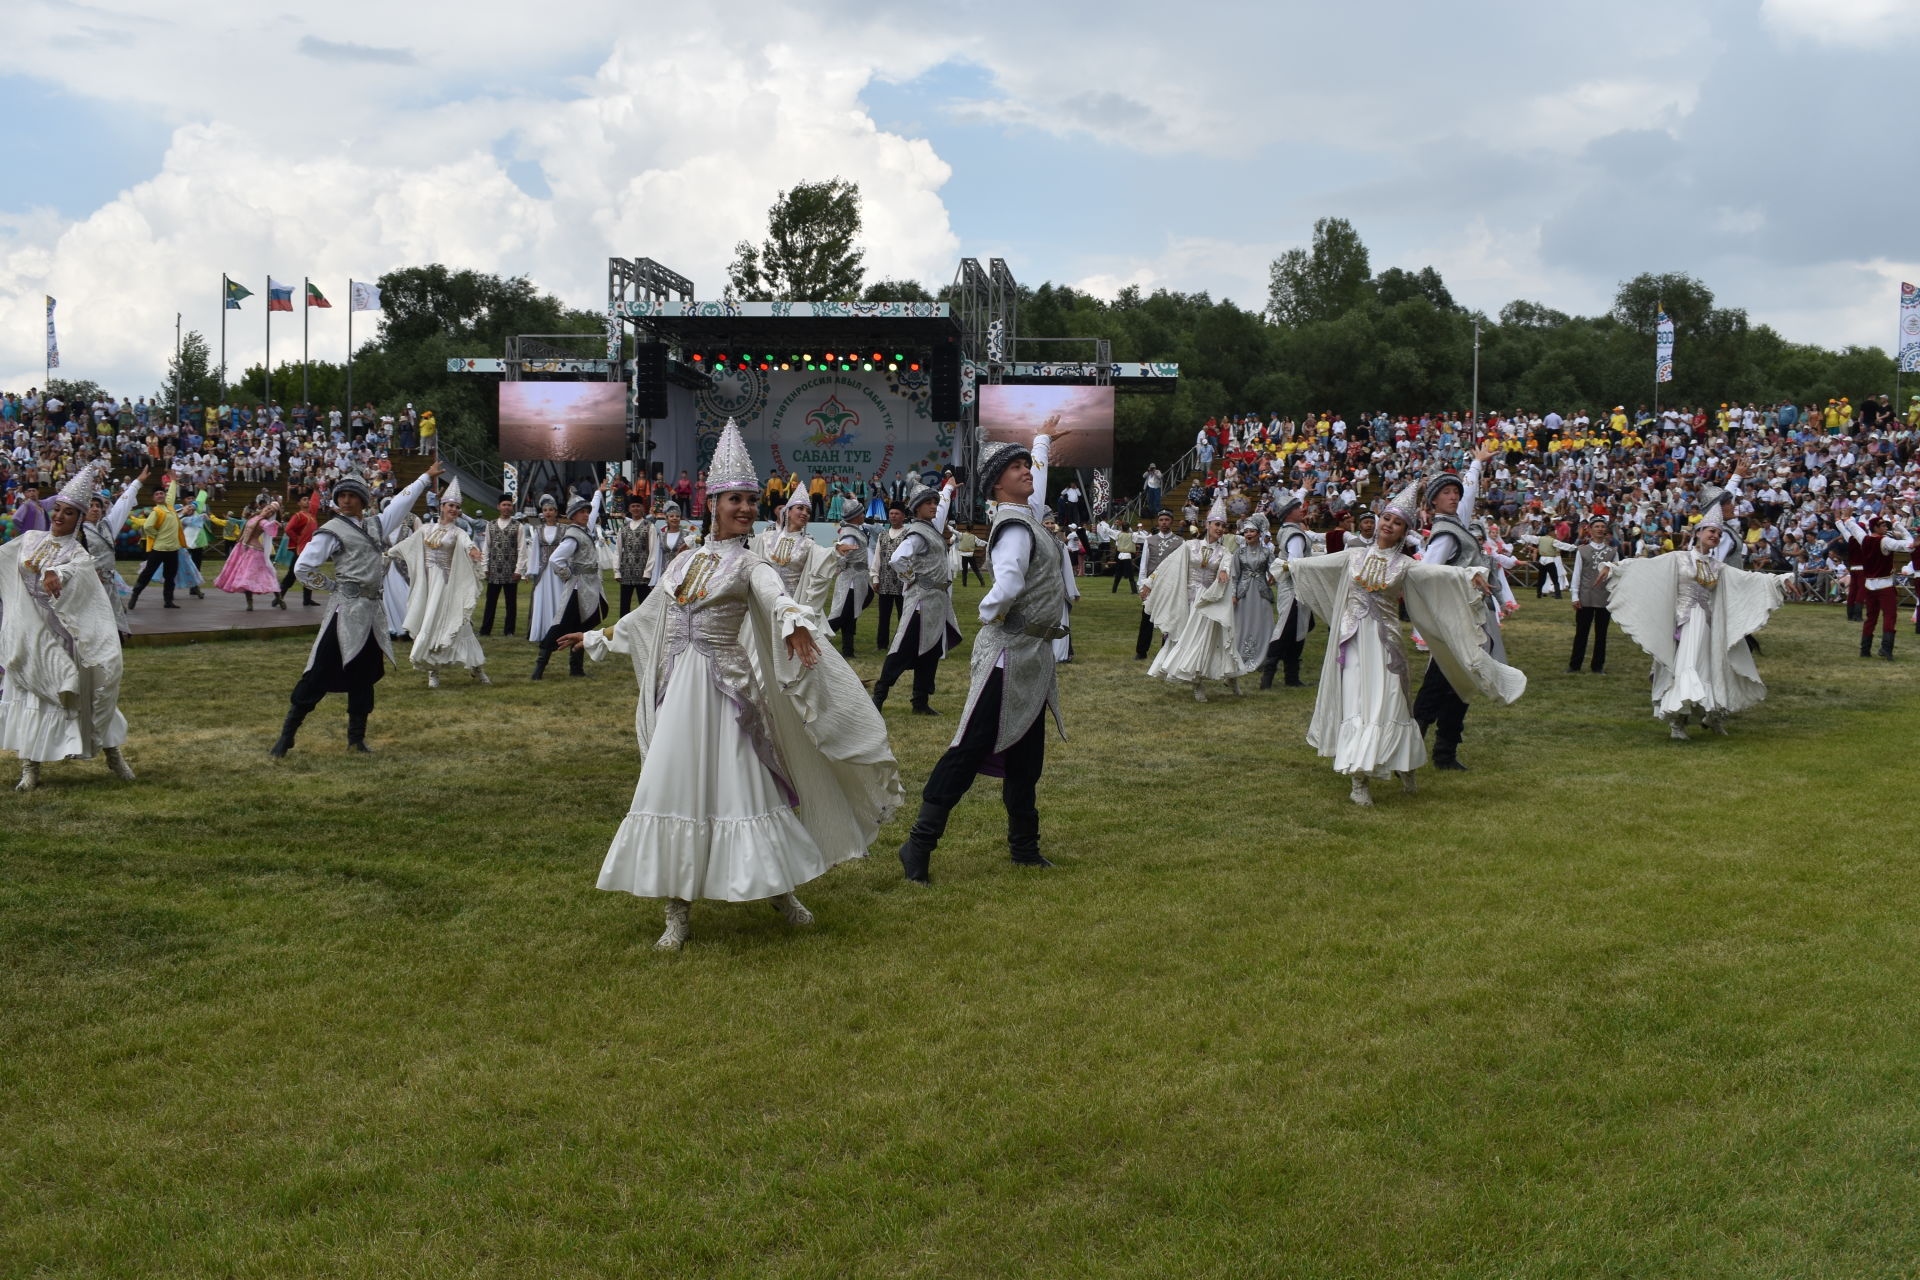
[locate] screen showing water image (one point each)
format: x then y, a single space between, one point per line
563 421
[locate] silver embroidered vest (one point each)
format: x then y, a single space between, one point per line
1031 684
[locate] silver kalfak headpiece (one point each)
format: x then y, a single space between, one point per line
731 469
79 491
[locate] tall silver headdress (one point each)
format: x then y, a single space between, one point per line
78 492
451 493
731 469
1406 503
1218 512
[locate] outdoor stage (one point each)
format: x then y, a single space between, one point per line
218 617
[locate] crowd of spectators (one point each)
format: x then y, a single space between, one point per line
207 448
1797 469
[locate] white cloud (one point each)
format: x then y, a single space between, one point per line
671 149
1862 24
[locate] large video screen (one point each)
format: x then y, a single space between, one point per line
1080 420
563 421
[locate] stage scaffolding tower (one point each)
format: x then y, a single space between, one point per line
641 280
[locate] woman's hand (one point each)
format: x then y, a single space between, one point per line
51 581
800 645
473 554
1480 584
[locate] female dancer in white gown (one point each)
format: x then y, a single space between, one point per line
1189 598
775 764
1362 719
1693 613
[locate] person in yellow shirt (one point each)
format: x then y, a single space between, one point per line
1831 420
162 529
1913 413
1618 422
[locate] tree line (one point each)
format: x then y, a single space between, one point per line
1334 335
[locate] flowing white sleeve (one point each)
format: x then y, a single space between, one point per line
1042 449
319 549
905 551
1009 556
395 513
117 517
1469 493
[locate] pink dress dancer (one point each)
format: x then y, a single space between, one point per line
247 569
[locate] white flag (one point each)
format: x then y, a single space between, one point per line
1909 328
1663 349
366 297
53 341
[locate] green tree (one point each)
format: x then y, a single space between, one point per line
896 291
810 254
192 372
1322 283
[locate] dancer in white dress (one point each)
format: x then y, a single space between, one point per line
1692 613
1362 717
774 765
59 645
445 567
807 569
1188 597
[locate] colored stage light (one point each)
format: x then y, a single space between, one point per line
696 357
829 357
845 368
876 355
867 367
764 365
807 356
784 366
892 367
914 367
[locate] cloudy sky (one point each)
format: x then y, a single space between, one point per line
1523 149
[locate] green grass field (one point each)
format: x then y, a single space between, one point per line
1604 1006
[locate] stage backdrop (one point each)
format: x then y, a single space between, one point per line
1082 433
847 425
563 421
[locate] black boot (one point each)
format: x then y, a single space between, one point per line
1293 680
577 663
917 853
1886 645
357 735
1445 758
284 744
1023 839
1266 677
133 599
540 664
921 708
1866 644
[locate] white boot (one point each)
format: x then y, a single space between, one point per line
480 675
433 679
1407 782
1717 721
1234 686
1677 730
789 906
677 929
29 775
1360 795
1199 694
117 765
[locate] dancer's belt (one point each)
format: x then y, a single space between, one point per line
359 590
1038 630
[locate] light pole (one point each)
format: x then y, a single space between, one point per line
1476 370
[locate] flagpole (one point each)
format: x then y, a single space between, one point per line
306 318
349 356
223 337
267 365
1658 307
176 367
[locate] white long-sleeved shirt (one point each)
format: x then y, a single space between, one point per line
1440 547
910 545
1011 548
322 546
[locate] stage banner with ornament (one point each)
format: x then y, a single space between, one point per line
1909 329
845 426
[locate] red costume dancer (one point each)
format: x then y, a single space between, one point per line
1873 550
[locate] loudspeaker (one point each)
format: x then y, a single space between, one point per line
943 376
650 380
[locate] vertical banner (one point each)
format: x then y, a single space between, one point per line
510 480
53 339
1909 345
1663 348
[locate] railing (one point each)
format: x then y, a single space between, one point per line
1130 513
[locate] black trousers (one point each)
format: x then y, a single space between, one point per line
168 562
1286 648
925 666
1592 618
1438 705
969 563
891 607
570 622
287 580
1023 761
1145 639
1548 569
633 595
355 678
1127 571
494 591
845 622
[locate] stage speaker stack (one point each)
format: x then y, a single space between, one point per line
943 375
650 380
